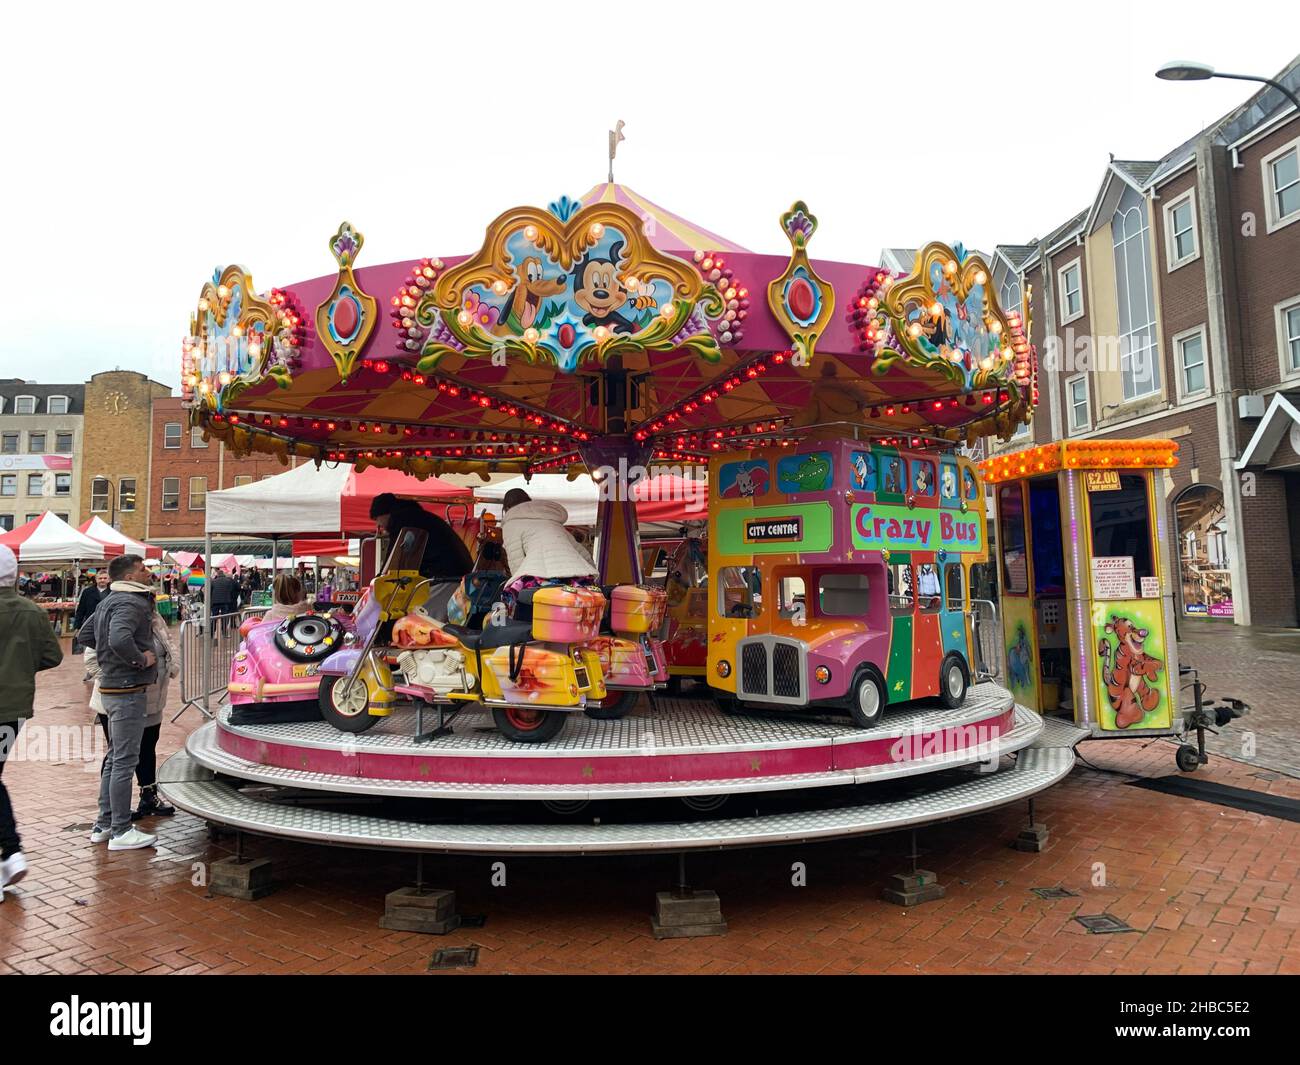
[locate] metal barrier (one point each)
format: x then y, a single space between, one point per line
197 690
988 639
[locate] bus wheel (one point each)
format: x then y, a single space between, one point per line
867 702
952 682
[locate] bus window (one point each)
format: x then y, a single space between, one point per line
968 486
893 478
923 481
1011 527
948 484
740 591
1120 523
900 588
953 579
929 592
843 595
791 598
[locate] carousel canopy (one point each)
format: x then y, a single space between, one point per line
99 530
603 320
51 539
331 499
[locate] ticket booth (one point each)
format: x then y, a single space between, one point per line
1086 579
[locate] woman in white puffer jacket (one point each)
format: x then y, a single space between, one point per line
537 543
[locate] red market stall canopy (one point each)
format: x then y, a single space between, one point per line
605 321
309 549
329 499
49 538
117 543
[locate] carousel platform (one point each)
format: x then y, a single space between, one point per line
761 808
675 747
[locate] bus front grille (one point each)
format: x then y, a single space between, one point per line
787 671
753 669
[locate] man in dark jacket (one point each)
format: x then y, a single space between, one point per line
225 596
27 646
446 558
90 597
123 642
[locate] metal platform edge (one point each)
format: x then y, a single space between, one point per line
192 789
203 748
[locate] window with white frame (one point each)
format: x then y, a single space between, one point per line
126 494
24 404
196 436
1181 243
198 493
1010 295
171 493
99 495
1282 186
1069 288
36 484
1076 400
1288 335
8 484
56 405
63 484
1139 364
1189 358
242 479
172 436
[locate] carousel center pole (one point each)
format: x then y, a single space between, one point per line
617 462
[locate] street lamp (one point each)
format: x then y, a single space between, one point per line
1183 70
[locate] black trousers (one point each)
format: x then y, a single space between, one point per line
146 770
10 844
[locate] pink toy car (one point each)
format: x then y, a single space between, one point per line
278 660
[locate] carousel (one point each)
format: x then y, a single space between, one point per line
830 403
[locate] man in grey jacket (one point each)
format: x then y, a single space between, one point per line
123 643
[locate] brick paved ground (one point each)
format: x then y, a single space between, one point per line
1209 888
1261 666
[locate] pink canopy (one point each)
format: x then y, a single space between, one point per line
49 538
117 543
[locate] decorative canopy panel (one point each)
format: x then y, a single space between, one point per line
609 319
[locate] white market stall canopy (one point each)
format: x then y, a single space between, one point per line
665 500
98 529
306 499
49 538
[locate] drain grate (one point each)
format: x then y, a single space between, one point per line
455 958
1101 923
79 828
1054 893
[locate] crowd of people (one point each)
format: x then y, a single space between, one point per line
130 660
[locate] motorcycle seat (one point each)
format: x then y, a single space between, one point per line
507 635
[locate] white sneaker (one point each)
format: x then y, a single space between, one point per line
13 869
131 840
98 835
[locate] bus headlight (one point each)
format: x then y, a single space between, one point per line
724 668
823 674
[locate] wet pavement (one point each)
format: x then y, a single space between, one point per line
1261 666
1207 888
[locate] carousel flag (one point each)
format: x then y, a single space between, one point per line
615 135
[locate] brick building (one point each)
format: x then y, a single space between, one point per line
40 451
1170 307
115 467
184 467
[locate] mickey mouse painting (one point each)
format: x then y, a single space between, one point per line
599 290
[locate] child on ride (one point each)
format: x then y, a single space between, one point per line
539 548
289 600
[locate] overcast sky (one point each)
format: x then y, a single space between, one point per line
144 149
